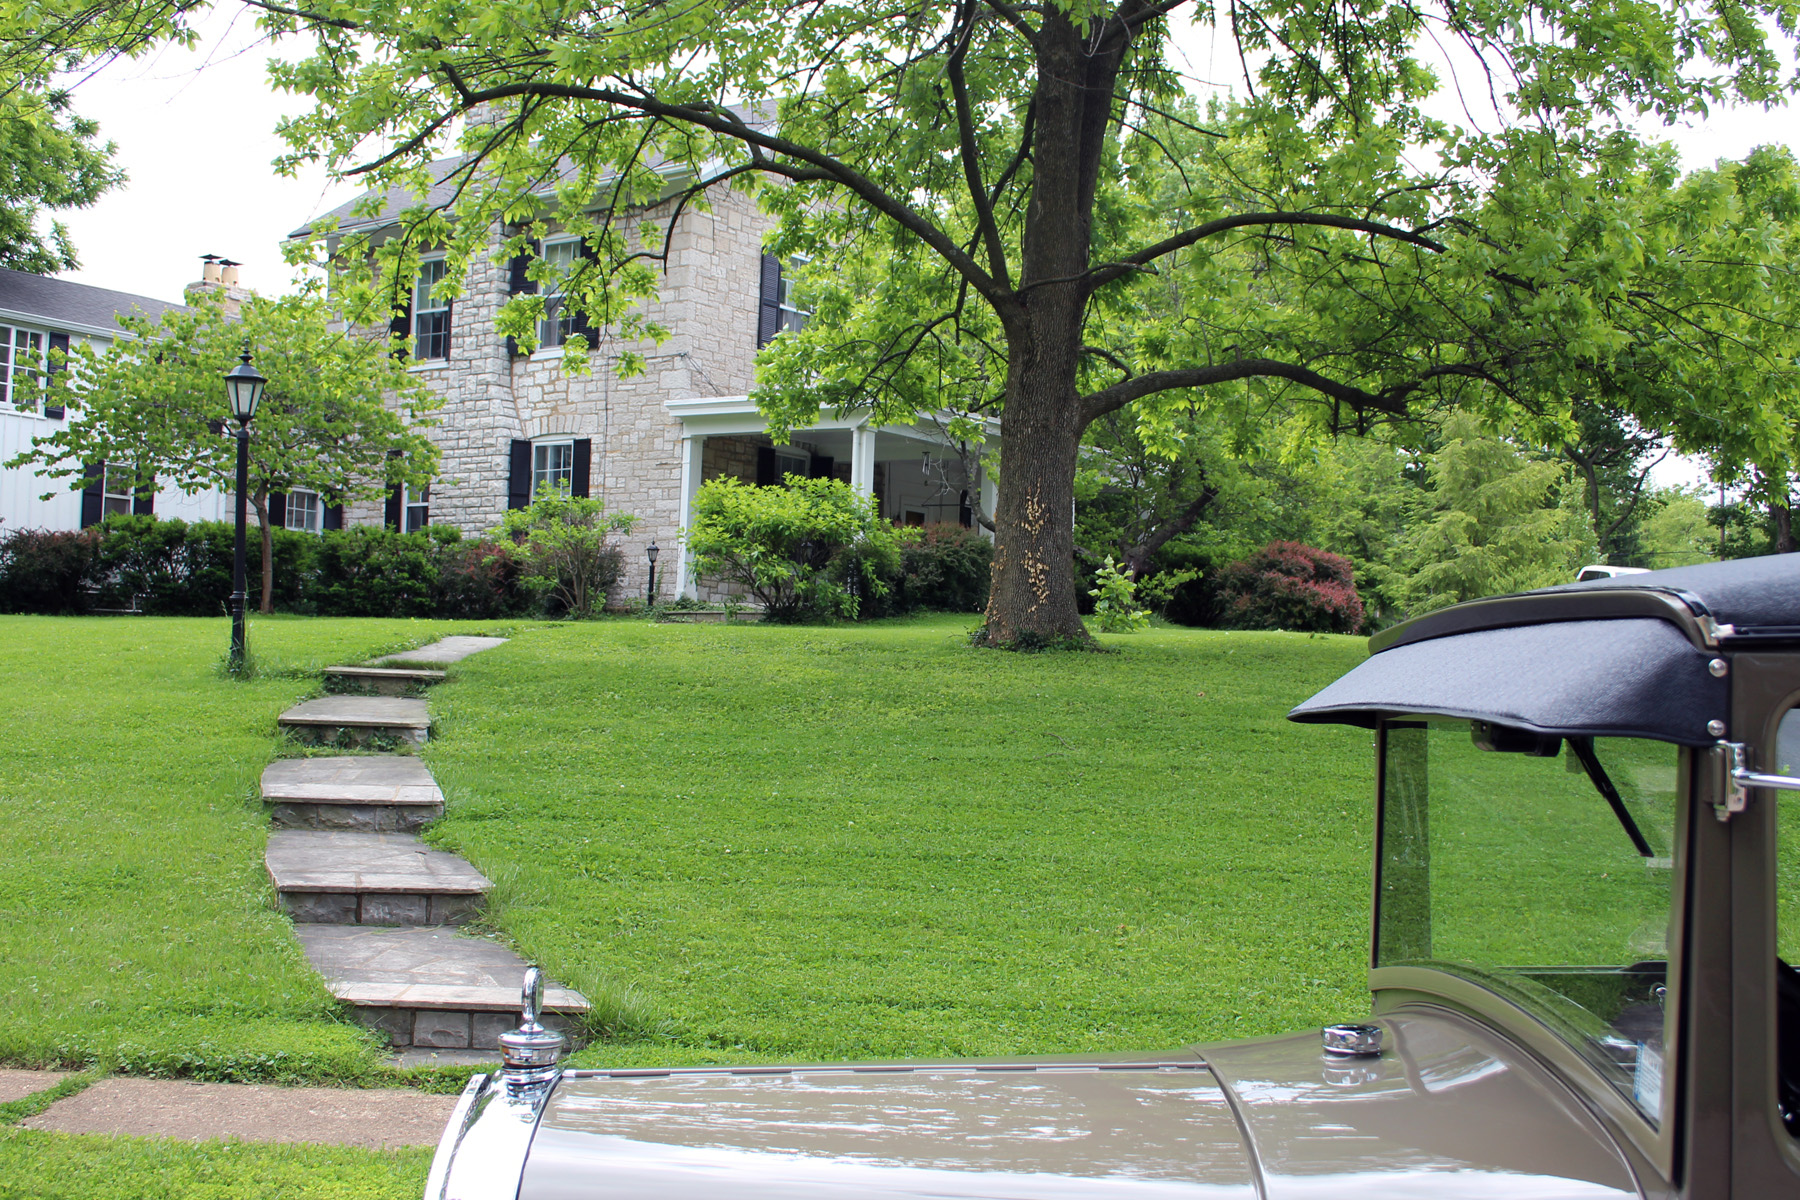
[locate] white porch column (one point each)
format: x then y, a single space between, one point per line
862 460
693 446
990 496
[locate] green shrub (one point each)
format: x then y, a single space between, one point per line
1115 600
371 572
943 568
565 550
480 580
810 550
44 572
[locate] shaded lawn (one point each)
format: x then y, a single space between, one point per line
755 842
137 928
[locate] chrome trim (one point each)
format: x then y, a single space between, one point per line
454 1129
530 1053
488 1160
1739 779
1351 1041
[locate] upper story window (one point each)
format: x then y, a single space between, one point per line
553 469
303 511
22 368
792 305
562 257
430 315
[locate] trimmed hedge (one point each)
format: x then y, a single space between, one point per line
171 567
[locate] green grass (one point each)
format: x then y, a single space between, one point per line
761 842
56 1166
137 928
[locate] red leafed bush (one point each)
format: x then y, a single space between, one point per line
1286 585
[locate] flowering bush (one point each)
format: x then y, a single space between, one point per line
1286 585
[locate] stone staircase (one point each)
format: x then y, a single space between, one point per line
375 908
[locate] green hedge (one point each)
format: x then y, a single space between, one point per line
171 567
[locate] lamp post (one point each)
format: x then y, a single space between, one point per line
243 387
650 592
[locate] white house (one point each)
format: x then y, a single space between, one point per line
38 315
513 424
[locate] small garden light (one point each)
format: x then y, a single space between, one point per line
650 592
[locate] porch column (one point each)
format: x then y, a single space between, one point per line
990 496
693 446
862 460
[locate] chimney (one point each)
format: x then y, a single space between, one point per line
209 272
219 274
228 272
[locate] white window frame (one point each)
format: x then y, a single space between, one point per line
118 490
547 477
790 316
789 461
431 272
417 501
37 345
304 503
554 326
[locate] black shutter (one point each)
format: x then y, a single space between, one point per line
395 515
277 510
965 514
518 478
401 327
583 474
333 518
578 321
768 316
58 341
93 497
819 467
518 285
143 500
765 466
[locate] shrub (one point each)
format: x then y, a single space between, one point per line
366 572
480 580
1286 585
942 568
1115 600
811 550
48 572
565 550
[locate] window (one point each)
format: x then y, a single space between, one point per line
790 300
553 469
1540 870
303 511
418 508
431 316
22 370
791 462
562 258
116 490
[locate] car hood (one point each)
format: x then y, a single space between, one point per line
1448 1110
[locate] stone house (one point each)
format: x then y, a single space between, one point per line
39 316
513 424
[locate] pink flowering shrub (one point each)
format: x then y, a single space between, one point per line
1286 585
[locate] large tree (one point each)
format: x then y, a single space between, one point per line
997 146
154 401
49 160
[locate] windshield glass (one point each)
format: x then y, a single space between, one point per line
1505 859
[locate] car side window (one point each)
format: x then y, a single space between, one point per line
1540 869
1787 920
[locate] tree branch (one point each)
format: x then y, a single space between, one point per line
1107 272
1096 404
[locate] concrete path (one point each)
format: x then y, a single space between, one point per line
404 718
16 1085
350 878
378 793
446 650
251 1112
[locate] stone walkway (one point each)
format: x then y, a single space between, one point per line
373 905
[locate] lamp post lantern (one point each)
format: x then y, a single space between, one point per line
650 591
243 388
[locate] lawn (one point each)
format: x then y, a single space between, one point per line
759 842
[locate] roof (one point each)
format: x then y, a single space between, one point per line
63 304
394 201
1627 656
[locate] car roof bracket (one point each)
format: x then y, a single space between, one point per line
1739 779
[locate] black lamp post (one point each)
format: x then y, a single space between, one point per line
243 387
650 592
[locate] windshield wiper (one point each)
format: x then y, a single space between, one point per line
1584 751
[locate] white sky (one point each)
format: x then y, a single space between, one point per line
196 136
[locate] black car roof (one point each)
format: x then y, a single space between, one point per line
1627 656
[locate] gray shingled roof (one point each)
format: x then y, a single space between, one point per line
60 302
393 202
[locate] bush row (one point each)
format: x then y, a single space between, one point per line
171 567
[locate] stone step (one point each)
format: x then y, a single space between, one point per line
376 793
445 650
431 988
383 681
340 878
358 720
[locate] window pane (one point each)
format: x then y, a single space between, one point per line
303 511
1787 919
1515 871
431 317
553 468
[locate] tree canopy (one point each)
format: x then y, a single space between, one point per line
1042 226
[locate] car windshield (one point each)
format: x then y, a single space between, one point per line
1541 870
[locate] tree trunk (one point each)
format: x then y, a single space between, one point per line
1783 517
268 563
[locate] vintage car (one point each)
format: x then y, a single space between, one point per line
1587 891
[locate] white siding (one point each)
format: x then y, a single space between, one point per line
20 506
